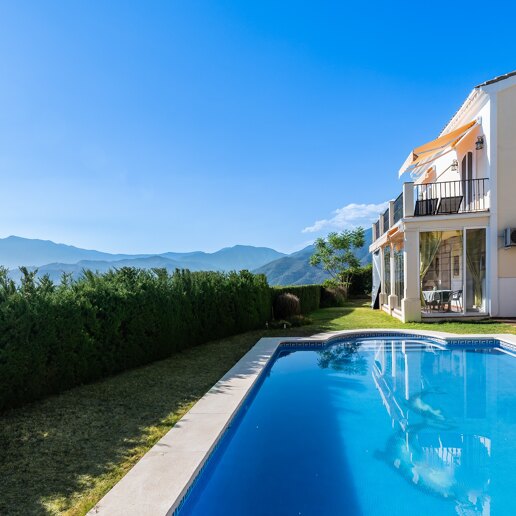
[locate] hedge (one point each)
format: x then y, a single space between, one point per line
53 337
309 296
361 282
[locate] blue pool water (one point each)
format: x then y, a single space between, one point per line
367 427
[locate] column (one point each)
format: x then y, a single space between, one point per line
408 199
411 304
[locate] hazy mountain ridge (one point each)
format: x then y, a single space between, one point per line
280 269
16 251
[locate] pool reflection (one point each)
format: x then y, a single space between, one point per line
440 443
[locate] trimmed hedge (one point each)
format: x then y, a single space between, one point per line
333 296
309 296
362 282
53 337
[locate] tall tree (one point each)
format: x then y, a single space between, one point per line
336 255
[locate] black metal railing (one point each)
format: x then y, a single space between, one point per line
377 229
386 220
451 197
398 208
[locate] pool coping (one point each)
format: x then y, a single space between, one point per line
161 479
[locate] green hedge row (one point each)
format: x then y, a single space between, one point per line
309 296
53 337
361 282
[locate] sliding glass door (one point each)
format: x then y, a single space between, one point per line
453 271
476 270
441 271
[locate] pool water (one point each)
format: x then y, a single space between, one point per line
366 427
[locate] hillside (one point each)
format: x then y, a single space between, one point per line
295 269
229 258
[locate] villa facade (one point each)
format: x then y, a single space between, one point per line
446 246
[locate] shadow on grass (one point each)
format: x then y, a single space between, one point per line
60 455
53 449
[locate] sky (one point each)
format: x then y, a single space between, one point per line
185 125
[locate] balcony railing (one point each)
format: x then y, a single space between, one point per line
445 198
451 197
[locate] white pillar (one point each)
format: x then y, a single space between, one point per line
408 199
391 214
411 304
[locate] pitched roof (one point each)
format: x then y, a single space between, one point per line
496 79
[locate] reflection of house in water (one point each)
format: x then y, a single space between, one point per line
437 402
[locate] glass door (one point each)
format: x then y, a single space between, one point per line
475 281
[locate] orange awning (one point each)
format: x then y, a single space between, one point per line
425 154
427 177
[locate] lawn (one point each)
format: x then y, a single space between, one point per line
60 455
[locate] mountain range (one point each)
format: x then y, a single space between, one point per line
54 259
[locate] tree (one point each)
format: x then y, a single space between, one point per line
335 254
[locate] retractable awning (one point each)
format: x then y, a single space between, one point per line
425 154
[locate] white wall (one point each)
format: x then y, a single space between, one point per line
507 297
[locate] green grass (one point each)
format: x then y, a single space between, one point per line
358 314
62 454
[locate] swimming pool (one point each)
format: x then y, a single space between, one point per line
370 426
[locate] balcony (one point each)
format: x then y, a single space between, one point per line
431 199
451 197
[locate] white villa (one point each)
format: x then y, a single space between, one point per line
446 247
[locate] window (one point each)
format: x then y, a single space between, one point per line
467 178
387 270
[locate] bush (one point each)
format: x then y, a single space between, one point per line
286 305
53 337
333 296
361 282
309 296
300 320
279 324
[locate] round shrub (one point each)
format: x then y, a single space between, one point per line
286 305
333 296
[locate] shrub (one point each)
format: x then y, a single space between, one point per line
286 305
53 337
300 320
309 296
333 296
280 324
361 282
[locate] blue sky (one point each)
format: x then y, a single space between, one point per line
182 125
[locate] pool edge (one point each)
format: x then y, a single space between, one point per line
161 479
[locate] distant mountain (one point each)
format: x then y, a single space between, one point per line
56 270
292 271
54 259
230 258
295 269
16 251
